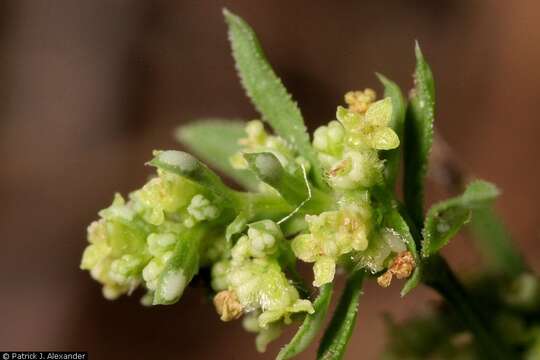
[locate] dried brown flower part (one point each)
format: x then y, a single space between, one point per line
227 305
385 279
401 267
359 101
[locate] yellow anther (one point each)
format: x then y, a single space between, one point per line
359 101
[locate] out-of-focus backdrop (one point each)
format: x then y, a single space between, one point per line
89 88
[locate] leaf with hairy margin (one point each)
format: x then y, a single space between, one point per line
338 333
267 92
418 137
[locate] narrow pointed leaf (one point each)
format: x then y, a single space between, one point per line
180 268
341 326
446 218
294 188
310 327
215 141
397 121
267 92
418 137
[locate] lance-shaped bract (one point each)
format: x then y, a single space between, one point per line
310 326
418 137
339 331
180 268
186 165
295 189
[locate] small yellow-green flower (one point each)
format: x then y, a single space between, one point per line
117 253
256 278
369 130
165 194
331 235
260 284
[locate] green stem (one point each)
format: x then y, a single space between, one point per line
259 206
439 276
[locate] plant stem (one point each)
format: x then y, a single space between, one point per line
439 276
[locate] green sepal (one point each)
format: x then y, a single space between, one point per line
294 188
418 137
215 141
338 333
180 268
311 325
446 218
393 157
267 92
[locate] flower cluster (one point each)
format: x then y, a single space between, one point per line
134 241
185 218
328 201
348 149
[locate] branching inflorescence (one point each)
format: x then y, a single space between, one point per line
329 202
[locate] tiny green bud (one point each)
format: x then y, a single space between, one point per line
200 209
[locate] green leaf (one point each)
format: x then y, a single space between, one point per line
495 241
446 218
310 327
394 220
180 268
338 333
186 165
294 188
418 137
215 141
397 121
267 92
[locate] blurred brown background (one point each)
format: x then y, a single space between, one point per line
89 88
